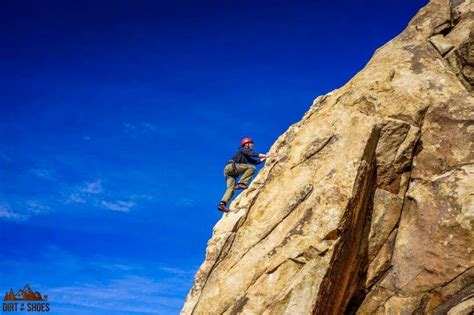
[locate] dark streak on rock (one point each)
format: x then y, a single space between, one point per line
238 306
457 298
342 286
314 148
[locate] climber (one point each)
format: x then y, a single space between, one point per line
242 164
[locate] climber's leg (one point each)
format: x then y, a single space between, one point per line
247 171
230 178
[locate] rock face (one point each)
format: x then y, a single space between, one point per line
368 203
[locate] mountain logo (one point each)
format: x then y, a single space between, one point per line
25 300
25 294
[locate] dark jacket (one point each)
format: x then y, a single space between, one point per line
244 155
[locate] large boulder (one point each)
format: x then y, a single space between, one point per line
367 203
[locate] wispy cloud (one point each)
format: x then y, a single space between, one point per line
76 198
86 192
7 213
93 187
43 173
102 285
119 205
135 129
37 207
23 210
115 266
141 196
93 193
128 294
177 271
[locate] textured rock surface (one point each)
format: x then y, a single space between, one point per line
368 204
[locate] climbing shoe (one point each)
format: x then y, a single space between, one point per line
222 207
241 186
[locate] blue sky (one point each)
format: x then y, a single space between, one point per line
117 118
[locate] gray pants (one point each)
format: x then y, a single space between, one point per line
231 175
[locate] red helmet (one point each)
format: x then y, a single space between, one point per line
245 141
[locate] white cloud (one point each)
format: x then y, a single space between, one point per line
36 207
93 187
177 271
43 173
140 128
86 192
119 205
28 209
8 214
103 285
131 293
93 193
115 267
141 196
75 198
